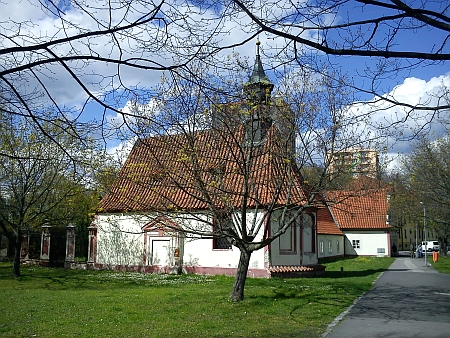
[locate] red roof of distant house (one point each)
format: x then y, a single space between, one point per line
366 183
365 209
192 171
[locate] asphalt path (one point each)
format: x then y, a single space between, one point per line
407 300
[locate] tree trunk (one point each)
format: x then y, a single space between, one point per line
16 262
241 276
11 249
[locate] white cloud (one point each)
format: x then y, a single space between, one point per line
134 110
156 45
395 126
121 150
399 123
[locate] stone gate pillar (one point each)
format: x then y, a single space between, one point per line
92 249
70 245
45 245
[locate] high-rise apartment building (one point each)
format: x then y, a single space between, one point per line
357 161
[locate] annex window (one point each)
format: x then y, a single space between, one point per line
337 247
309 234
287 241
221 223
330 247
321 247
221 243
356 244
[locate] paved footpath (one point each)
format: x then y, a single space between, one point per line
408 300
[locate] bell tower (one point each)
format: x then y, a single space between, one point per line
257 92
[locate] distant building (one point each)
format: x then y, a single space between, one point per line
411 232
356 161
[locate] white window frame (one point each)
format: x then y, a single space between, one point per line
321 247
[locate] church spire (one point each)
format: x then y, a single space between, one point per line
258 74
259 87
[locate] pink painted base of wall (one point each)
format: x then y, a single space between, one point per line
44 262
201 270
291 272
297 271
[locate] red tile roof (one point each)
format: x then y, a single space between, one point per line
194 171
366 183
366 209
326 224
291 268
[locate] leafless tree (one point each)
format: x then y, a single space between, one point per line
40 182
97 51
384 33
230 151
105 51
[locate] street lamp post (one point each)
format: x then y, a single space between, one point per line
425 233
417 234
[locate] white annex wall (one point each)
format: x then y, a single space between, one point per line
200 252
369 242
120 241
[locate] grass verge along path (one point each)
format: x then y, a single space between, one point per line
48 302
442 265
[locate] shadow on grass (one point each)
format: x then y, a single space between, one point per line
348 274
354 266
37 277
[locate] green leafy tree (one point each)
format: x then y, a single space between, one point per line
41 180
428 168
404 207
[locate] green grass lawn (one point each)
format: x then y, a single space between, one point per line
442 265
48 302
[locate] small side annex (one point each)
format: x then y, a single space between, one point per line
362 216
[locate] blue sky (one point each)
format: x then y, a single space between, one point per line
411 84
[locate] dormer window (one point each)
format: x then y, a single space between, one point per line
256 130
